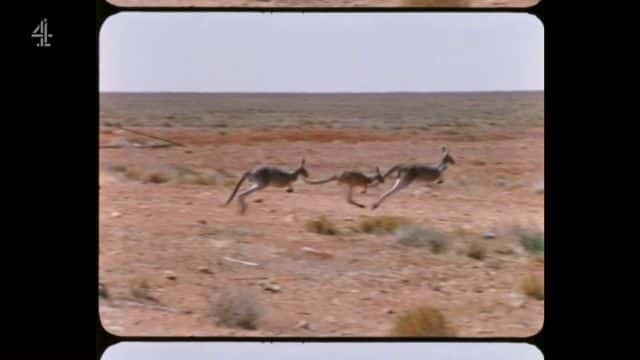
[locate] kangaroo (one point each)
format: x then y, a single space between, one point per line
408 173
267 176
352 179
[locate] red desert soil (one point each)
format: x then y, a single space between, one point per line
307 3
362 281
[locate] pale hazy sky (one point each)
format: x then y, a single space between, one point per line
324 52
320 351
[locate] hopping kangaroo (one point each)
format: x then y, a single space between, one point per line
352 179
267 176
416 172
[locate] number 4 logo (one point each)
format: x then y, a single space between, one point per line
42 32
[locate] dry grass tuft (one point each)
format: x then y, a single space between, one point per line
415 236
237 308
381 224
140 289
532 286
119 168
156 177
422 322
477 250
321 225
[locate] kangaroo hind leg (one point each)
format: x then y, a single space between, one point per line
350 199
400 184
252 189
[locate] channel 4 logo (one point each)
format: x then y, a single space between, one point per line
42 34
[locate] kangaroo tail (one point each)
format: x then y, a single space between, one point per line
242 179
318 182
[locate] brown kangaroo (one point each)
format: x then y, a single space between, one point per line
352 179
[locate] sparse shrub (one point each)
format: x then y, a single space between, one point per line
119 168
237 308
321 225
381 224
532 286
139 288
411 235
422 322
476 250
207 179
198 179
156 177
134 173
533 243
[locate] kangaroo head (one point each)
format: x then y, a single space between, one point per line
447 159
378 175
302 170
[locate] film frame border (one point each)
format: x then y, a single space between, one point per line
104 339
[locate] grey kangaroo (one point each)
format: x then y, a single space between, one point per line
408 173
267 176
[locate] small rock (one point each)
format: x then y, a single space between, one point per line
516 300
102 291
258 200
203 222
170 275
348 218
489 235
204 270
270 286
493 264
188 152
389 311
189 203
317 253
115 214
302 324
505 250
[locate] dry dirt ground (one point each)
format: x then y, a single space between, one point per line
163 245
312 3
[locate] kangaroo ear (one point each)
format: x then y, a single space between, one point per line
444 148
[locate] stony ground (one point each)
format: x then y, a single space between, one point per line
169 250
